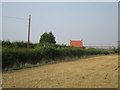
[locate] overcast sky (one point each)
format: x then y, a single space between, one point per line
96 23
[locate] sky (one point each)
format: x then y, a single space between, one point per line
96 23
119 23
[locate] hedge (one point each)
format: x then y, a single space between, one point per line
20 56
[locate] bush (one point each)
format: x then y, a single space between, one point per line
17 44
6 44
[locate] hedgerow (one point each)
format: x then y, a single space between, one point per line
19 56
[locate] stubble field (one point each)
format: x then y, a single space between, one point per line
95 72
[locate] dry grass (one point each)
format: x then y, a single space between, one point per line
95 72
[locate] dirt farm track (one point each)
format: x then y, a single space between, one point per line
95 72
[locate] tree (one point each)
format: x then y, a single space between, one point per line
47 38
6 43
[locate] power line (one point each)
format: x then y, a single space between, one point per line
15 17
29 19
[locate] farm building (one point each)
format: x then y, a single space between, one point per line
76 43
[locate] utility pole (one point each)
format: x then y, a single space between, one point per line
119 43
28 31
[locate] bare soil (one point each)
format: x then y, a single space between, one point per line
95 72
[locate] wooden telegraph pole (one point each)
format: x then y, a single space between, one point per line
28 31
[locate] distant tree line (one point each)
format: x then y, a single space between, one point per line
22 44
46 39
